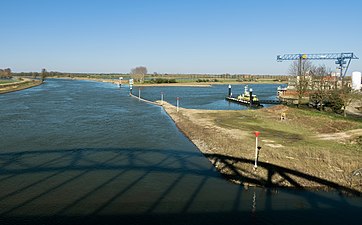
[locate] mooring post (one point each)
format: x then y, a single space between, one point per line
230 94
161 98
251 96
257 133
139 93
120 82
130 86
177 103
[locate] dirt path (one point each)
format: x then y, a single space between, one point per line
341 136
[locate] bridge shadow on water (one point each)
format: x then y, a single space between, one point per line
152 186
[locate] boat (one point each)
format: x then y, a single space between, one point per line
245 98
281 90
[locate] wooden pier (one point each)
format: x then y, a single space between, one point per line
270 102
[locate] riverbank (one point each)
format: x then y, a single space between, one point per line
17 86
204 84
305 150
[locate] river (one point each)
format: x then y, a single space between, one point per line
85 152
207 97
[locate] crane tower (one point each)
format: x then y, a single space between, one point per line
341 59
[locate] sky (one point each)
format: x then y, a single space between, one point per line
175 36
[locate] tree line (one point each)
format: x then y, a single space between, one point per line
7 74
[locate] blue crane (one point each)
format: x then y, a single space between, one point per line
341 59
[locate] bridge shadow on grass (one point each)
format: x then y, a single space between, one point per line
148 186
234 171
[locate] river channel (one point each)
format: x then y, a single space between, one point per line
87 153
212 97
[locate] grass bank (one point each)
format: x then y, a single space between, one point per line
17 86
306 150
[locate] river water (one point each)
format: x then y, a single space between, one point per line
85 152
207 97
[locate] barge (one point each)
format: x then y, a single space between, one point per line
247 98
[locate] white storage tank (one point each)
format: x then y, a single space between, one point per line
356 81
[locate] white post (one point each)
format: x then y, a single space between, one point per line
257 133
256 153
161 98
139 94
177 103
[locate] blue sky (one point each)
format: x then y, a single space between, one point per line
174 36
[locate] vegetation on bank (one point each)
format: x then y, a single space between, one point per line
314 149
17 86
161 81
179 78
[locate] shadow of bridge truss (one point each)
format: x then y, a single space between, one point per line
152 186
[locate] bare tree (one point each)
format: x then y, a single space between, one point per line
321 84
138 73
6 73
43 74
34 75
301 69
347 95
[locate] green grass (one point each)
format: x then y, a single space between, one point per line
298 131
21 86
7 81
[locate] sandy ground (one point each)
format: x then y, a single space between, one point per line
355 108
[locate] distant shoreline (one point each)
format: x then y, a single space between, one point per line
179 84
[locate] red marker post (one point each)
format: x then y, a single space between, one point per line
257 133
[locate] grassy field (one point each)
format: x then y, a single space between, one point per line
19 86
7 81
308 149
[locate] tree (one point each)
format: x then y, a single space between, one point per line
320 85
138 73
8 72
301 69
34 75
43 74
347 95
